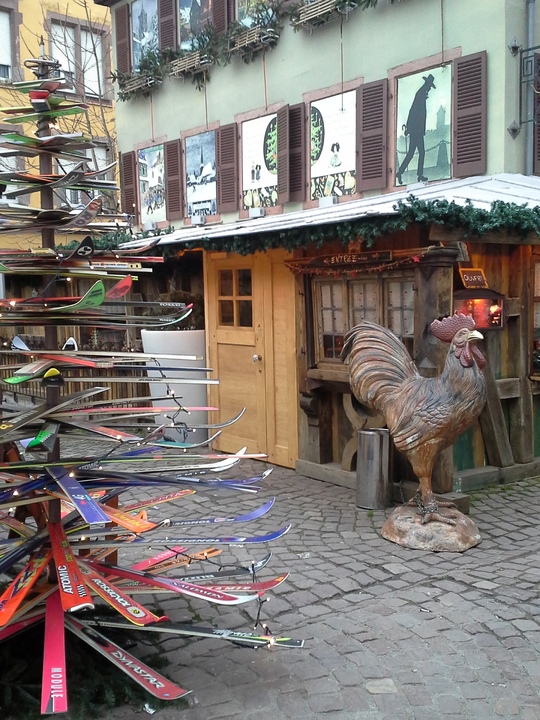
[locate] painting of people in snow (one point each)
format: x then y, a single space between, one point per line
152 185
333 145
193 16
201 187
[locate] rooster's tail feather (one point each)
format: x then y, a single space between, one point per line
379 364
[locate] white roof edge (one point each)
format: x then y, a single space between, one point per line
481 191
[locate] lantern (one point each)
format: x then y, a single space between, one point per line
485 306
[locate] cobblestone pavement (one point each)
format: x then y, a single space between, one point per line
389 632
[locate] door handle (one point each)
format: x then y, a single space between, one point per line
257 358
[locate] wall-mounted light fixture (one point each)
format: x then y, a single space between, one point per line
514 129
485 306
514 46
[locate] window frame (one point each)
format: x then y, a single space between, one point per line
381 305
11 7
80 25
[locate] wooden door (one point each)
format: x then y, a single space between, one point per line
251 338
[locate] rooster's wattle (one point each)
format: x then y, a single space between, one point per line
424 415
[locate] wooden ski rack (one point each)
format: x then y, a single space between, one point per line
314 14
253 39
191 63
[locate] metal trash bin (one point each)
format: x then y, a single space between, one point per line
373 485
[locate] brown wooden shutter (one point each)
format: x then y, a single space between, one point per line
297 153
227 168
283 154
123 36
469 115
167 24
291 144
372 129
173 180
128 171
536 116
221 15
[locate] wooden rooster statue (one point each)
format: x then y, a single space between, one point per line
424 415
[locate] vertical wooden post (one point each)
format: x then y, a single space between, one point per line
434 290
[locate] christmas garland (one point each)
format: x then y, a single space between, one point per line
518 220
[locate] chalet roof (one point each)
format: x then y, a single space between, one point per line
481 191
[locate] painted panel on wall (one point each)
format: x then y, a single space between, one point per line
201 174
259 162
193 15
151 168
333 145
424 118
144 29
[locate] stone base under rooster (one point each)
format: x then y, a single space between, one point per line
424 415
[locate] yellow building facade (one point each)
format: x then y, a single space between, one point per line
78 35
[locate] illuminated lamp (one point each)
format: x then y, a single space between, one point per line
485 306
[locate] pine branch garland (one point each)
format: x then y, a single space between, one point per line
518 220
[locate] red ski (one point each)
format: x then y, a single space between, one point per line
53 680
126 606
177 586
74 593
15 593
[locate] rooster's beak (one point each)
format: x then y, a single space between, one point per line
475 335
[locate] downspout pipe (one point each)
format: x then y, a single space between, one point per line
530 127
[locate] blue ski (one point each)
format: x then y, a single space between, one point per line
87 507
269 537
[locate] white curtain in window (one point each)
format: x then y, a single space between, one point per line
63 48
5 42
92 62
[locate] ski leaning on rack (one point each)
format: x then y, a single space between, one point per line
151 680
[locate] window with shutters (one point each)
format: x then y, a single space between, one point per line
273 158
441 121
332 130
83 54
341 303
200 174
98 158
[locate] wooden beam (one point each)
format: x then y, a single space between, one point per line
438 233
494 432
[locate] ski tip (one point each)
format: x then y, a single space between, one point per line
266 473
82 606
17 343
70 344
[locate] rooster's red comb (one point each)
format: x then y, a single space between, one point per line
446 328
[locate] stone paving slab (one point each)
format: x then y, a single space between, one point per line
389 632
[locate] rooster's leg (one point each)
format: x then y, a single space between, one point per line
430 509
